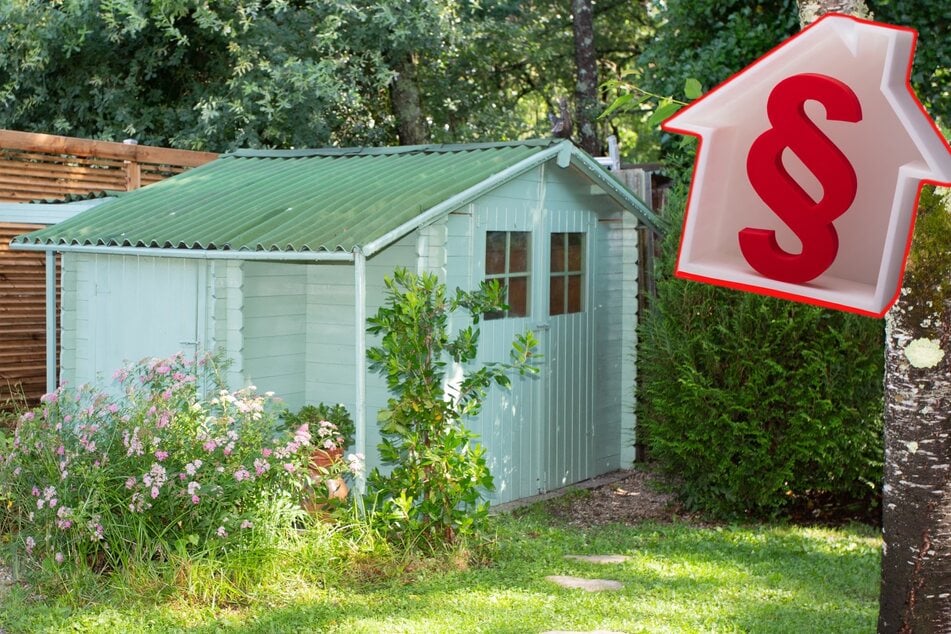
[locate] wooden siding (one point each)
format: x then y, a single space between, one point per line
120 309
331 334
48 167
22 320
274 328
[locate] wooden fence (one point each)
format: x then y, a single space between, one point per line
47 167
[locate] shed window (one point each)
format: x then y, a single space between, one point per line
566 286
507 259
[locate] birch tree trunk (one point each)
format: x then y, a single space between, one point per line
915 593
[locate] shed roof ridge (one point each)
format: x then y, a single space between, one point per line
434 148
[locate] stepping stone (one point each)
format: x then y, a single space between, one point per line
599 559
590 585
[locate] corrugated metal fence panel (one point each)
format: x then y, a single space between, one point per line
22 320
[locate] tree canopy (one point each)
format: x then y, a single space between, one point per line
294 73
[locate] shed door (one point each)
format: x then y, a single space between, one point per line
541 431
144 307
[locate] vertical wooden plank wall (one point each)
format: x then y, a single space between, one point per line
47 167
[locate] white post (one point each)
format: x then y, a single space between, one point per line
360 321
51 321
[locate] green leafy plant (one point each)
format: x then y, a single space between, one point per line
434 489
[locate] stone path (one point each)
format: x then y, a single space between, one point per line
591 585
599 559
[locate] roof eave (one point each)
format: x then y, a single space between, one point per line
198 254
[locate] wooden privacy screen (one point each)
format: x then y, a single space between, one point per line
22 320
47 167
43 166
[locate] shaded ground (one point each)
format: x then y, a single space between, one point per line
638 496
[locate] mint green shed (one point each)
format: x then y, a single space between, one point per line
277 257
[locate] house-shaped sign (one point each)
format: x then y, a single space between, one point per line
809 169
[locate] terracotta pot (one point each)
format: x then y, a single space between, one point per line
336 487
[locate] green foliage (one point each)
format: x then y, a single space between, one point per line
751 401
931 72
432 494
151 472
250 73
928 276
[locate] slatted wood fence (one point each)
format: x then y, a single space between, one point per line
47 167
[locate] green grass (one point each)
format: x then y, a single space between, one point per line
680 578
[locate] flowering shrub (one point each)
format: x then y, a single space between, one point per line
331 424
101 479
333 430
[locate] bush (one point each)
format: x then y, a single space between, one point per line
151 472
752 401
432 496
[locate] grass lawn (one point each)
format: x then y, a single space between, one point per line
679 578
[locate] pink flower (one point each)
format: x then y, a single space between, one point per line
210 446
260 466
112 408
27 416
289 467
163 369
155 492
193 487
50 397
222 532
30 544
61 450
195 499
130 482
266 452
59 558
246 524
241 474
161 455
302 435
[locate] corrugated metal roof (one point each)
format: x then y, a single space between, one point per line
294 200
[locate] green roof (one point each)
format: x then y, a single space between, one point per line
328 200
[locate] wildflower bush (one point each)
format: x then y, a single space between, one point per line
150 471
432 495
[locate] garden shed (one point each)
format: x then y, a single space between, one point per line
276 258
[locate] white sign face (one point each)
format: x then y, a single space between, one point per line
809 169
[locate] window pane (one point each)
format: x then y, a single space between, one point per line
574 293
518 296
557 252
495 253
556 296
575 251
518 254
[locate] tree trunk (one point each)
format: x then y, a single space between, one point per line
916 561
405 101
586 87
915 591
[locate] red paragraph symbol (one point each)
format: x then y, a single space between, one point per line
811 221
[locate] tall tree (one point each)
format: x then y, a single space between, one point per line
586 69
916 561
